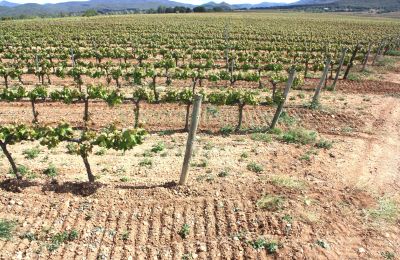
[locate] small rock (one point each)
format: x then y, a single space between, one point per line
12 202
361 250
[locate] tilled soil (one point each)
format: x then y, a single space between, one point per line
328 202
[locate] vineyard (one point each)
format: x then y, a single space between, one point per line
299 114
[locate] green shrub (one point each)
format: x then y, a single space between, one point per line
159 147
31 153
254 167
227 130
299 136
271 202
324 144
261 137
6 229
51 171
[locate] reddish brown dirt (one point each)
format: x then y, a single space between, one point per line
330 202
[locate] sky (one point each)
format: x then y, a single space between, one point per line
183 1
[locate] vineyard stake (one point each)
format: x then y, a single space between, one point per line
366 58
315 99
353 56
343 56
191 138
285 95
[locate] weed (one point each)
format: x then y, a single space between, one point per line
288 182
388 255
227 130
101 152
61 238
223 173
6 228
146 162
30 236
72 148
300 136
261 243
387 210
322 244
324 144
275 131
208 146
51 171
286 119
202 164
271 202
124 179
244 155
125 236
31 153
287 218
301 95
254 167
188 256
185 230
159 147
261 137
23 170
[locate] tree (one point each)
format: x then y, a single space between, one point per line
199 9
90 12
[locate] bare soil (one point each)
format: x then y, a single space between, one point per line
332 200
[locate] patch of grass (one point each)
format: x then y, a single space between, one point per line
124 179
354 77
51 171
286 119
271 246
263 137
275 131
166 132
347 129
30 236
146 162
159 147
6 229
101 152
185 231
125 236
299 136
72 148
324 144
271 202
23 170
202 164
287 218
208 146
322 244
388 255
244 155
227 130
387 210
61 238
223 173
288 182
31 153
393 53
254 167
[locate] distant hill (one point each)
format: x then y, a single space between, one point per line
7 4
9 9
387 5
78 7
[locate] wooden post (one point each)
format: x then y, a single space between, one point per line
72 57
342 57
191 138
353 56
321 83
278 112
376 54
366 57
